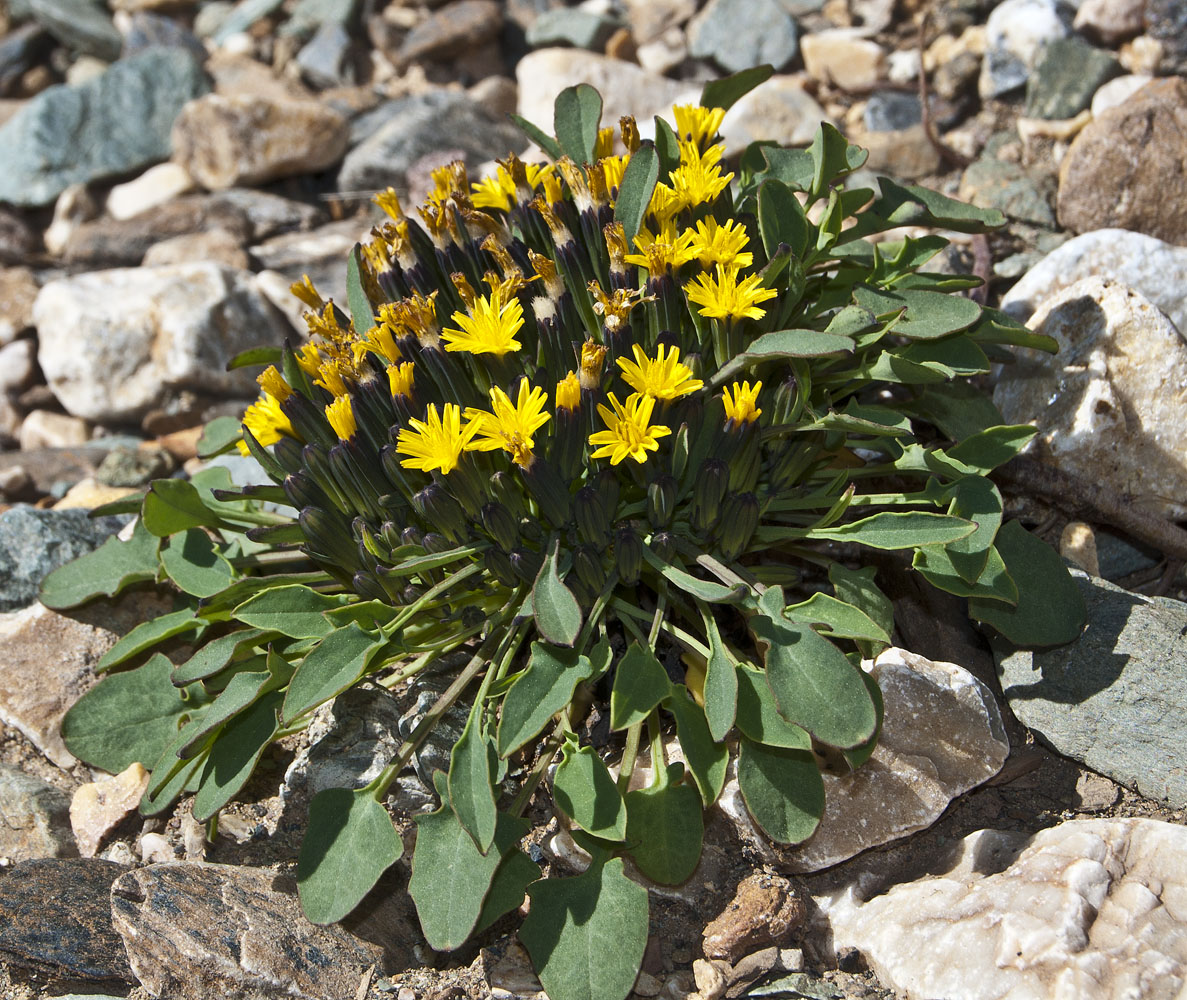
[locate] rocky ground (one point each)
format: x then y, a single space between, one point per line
171 166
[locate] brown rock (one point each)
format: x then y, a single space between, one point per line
47 429
750 969
764 910
215 245
34 818
47 466
844 58
17 241
225 141
453 30
55 918
194 931
1126 168
906 154
18 289
100 806
89 493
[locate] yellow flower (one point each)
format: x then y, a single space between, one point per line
490 329
330 376
663 252
721 244
629 431
340 414
663 378
743 406
593 356
605 143
725 297
511 426
267 423
613 167
273 383
308 357
696 124
401 378
437 441
698 180
568 392
389 201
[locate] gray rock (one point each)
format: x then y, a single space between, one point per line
211 16
270 214
326 59
779 109
456 28
737 34
35 542
148 30
17 240
989 182
34 818
1117 557
83 25
111 125
319 253
194 931
134 466
422 125
649 19
20 50
1166 21
1014 33
1066 74
308 15
242 17
582 29
1111 700
55 918
892 111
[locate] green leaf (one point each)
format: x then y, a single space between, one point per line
292 610
899 530
557 613
936 566
113 566
832 158
577 115
665 828
793 167
171 777
666 146
910 205
725 92
638 183
857 587
235 754
993 446
472 766
538 136
958 355
705 590
221 606
997 327
926 315
721 685
337 662
247 359
148 634
975 499
349 843
1050 609
241 691
840 620
216 654
640 683
814 685
174 505
450 877
222 433
126 717
193 562
542 690
797 344
362 314
507 889
584 790
782 790
958 409
586 935
758 717
707 761
859 755
781 219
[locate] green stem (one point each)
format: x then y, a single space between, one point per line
629 753
431 594
675 631
547 752
659 760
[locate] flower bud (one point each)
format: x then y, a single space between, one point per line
628 554
288 453
549 491
661 501
412 535
438 508
302 491
608 489
434 543
712 483
588 568
739 519
593 523
368 588
526 563
506 491
500 525
746 457
328 538
663 545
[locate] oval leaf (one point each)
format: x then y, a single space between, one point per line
192 562
638 183
640 683
584 790
542 690
148 634
760 720
292 610
577 115
899 530
782 790
707 761
339 660
472 766
665 828
113 566
721 686
726 92
235 754
557 613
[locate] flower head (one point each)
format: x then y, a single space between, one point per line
742 407
696 124
267 423
340 414
401 378
593 357
721 244
489 329
510 426
568 392
629 431
662 378
437 441
724 297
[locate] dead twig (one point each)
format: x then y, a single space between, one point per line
982 268
947 153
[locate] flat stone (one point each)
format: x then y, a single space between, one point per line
422 125
1090 908
55 918
664 53
18 289
583 29
1111 21
147 30
216 245
1109 700
1112 405
649 19
318 253
1124 169
989 182
1151 267
906 154
49 429
194 931
34 818
98 807
941 736
306 16
112 125
892 111
779 109
327 59
115 344
738 34
1014 33
451 31
764 910
87 494
228 141
844 58
270 214
83 25
155 186
1117 91
1067 72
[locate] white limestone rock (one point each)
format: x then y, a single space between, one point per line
1091 910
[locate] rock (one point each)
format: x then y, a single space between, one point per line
711 978
892 111
226 141
905 154
156 185
1118 557
780 109
941 735
583 29
216 245
55 918
269 214
34 818
17 241
1116 92
327 59
148 30
1086 909
497 94
1067 72
15 482
1109 699
1014 33
18 289
422 125
842 57
650 19
241 17
1094 793
1154 269
764 910
738 34
98 807
508 972
115 124
456 28
73 207
318 253
115 344
88 494
625 89
665 53
991 182
1111 21
20 50
82 25
750 969
1166 23
124 466
1124 169
307 16
17 365
194 931
1111 405
47 429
